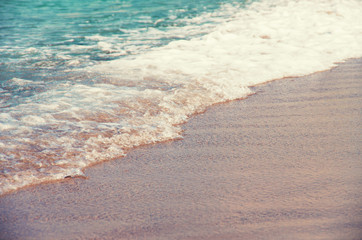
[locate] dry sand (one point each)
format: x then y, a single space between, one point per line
283 164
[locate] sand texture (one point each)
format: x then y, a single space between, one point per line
284 163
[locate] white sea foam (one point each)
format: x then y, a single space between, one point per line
20 82
145 96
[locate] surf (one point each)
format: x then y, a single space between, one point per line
106 108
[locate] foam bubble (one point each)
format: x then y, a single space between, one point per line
33 120
19 82
4 126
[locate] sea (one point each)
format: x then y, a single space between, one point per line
82 82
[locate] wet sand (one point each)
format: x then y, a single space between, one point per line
284 163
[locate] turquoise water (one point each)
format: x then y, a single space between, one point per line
40 38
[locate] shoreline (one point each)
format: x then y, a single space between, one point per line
165 141
283 162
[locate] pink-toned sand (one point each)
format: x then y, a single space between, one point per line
283 164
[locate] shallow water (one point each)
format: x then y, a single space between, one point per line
81 84
282 164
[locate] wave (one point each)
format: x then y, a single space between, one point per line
143 98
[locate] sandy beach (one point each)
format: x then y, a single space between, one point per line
285 163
